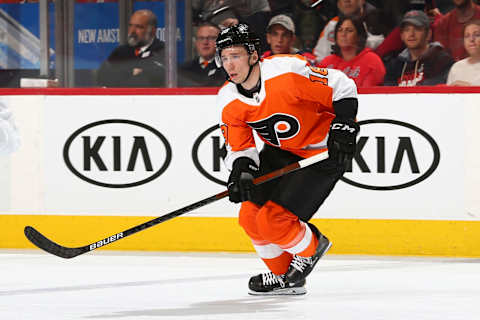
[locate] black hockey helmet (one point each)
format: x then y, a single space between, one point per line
240 34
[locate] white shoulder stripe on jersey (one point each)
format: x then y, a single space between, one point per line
343 86
251 153
277 65
226 94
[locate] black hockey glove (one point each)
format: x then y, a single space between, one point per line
342 139
240 183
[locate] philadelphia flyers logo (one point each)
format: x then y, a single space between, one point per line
279 126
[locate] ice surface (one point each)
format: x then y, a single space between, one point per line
180 286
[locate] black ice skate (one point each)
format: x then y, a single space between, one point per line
300 267
269 284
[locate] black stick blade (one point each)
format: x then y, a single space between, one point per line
49 246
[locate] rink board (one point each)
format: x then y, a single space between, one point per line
370 237
412 190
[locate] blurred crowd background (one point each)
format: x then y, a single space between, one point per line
126 43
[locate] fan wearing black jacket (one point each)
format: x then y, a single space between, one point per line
422 63
202 70
140 62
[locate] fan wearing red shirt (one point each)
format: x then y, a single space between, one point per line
449 29
359 63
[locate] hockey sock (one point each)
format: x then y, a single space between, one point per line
279 265
310 250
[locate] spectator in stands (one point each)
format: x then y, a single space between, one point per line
18 1
357 8
226 13
96 1
449 29
224 17
281 37
352 57
9 139
283 6
310 18
394 11
202 70
139 63
466 72
421 63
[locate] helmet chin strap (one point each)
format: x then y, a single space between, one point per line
252 92
249 72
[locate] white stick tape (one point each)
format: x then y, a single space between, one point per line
316 158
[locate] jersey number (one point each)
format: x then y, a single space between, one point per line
319 75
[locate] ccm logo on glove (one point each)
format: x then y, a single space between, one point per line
342 140
343 126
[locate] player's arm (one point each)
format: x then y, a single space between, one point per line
9 139
242 158
338 93
239 141
342 137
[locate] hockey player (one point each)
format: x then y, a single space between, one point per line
9 139
298 111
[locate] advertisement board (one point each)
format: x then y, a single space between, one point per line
94 162
144 155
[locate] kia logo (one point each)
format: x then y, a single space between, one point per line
117 153
210 149
391 155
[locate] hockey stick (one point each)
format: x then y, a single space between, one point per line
48 245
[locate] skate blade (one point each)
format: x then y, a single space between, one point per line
329 245
320 257
328 248
281 292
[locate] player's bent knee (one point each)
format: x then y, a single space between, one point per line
275 223
247 218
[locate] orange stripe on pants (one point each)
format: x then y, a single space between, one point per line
248 220
273 224
278 225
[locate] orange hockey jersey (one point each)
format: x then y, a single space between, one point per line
292 111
